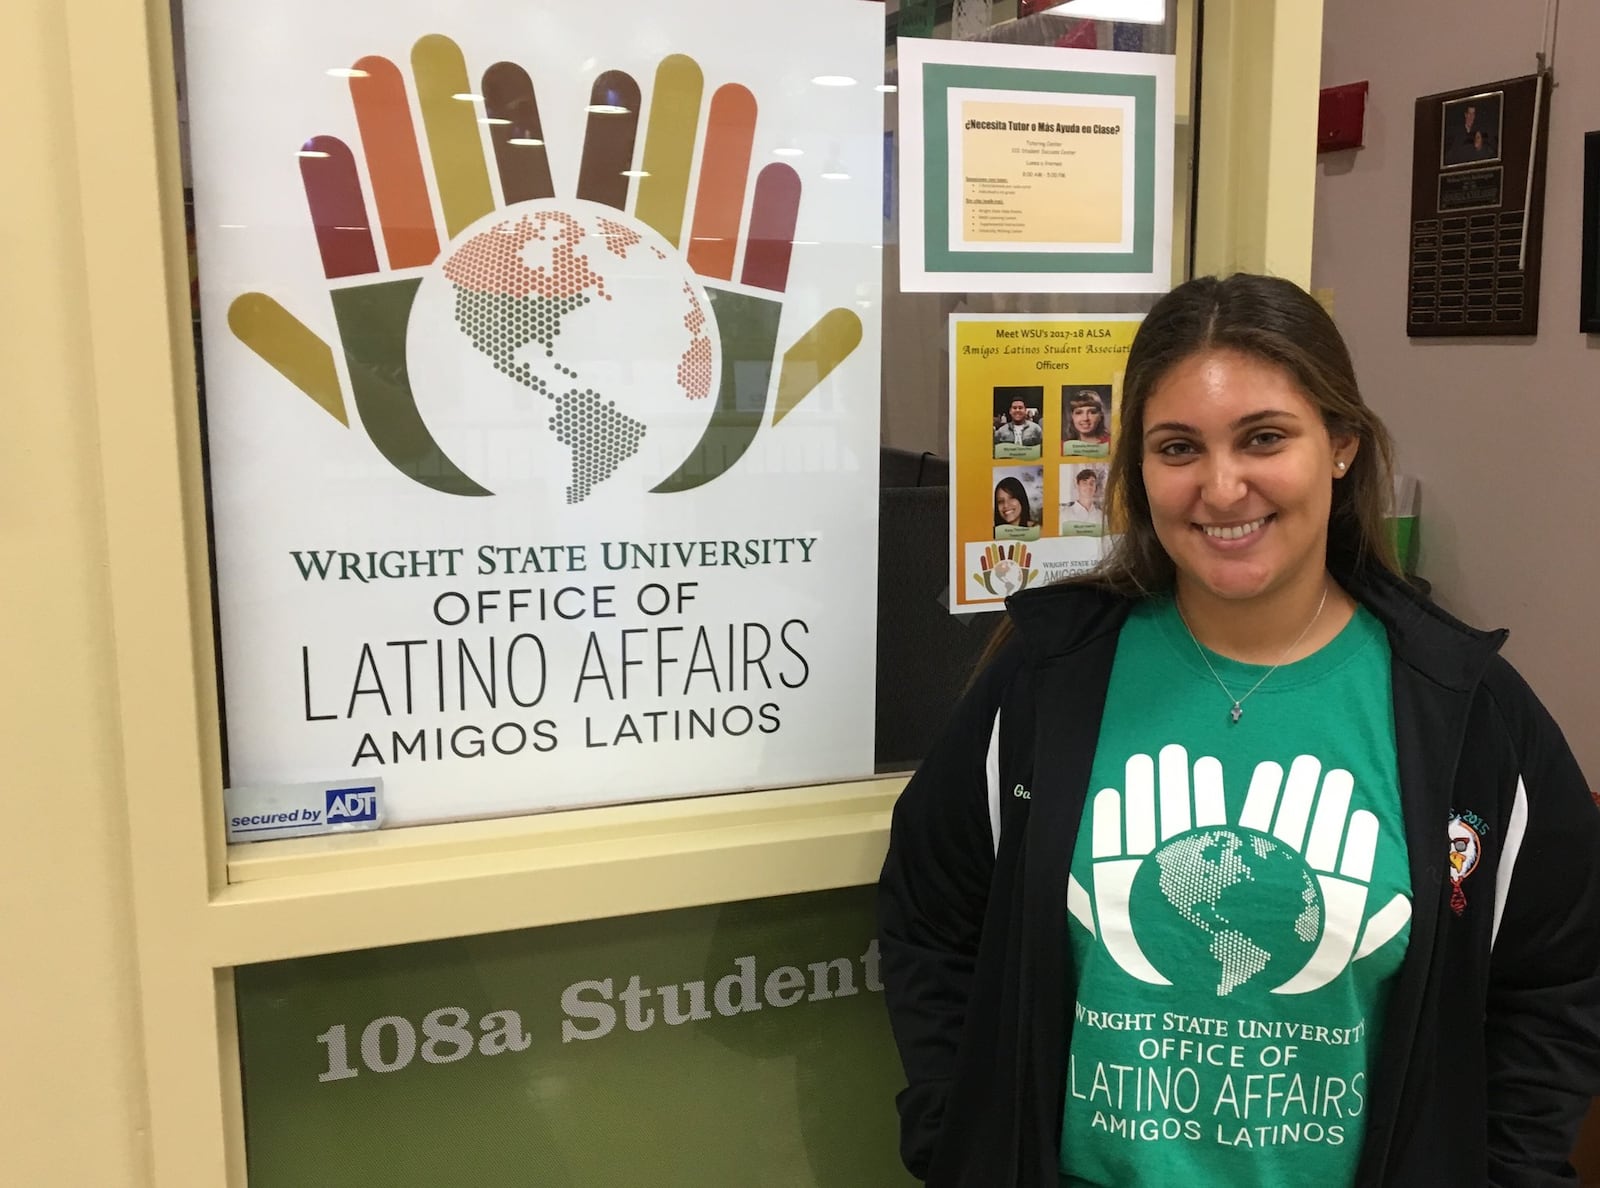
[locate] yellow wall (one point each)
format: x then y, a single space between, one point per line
118 921
1258 123
72 1107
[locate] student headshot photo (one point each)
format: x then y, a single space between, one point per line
1471 130
1081 512
1018 495
1086 420
1018 433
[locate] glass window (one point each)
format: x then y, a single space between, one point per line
569 438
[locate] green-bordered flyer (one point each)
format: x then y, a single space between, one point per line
1034 169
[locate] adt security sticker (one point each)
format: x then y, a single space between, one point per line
298 810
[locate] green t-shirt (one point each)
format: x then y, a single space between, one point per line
1239 903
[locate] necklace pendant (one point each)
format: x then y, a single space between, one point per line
1236 712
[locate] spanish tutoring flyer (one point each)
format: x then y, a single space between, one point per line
1034 404
1034 169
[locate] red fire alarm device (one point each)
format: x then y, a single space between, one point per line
1341 112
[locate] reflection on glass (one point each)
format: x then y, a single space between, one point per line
915 375
925 655
1141 12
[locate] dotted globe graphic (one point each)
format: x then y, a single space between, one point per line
1230 904
594 441
694 369
520 283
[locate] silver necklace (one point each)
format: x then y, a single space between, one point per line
1237 711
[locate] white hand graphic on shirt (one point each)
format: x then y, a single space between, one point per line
1283 809
1124 833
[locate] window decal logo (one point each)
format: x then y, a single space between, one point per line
624 333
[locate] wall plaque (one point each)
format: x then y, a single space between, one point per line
1477 204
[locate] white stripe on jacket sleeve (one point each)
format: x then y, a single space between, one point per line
1516 830
992 771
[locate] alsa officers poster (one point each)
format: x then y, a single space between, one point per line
541 394
1035 402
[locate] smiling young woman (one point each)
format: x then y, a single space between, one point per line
1239 470
1232 840
1012 508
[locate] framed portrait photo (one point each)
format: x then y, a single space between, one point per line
1470 130
1589 311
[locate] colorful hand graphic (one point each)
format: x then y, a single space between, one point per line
510 305
1003 569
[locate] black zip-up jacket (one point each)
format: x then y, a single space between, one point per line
1491 1045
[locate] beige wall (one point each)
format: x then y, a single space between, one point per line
72 1106
1501 431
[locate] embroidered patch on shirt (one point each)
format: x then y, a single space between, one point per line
1466 830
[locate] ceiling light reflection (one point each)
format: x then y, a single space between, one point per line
1139 12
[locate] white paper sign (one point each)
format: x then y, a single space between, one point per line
541 356
1034 169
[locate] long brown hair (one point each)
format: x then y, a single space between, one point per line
1269 319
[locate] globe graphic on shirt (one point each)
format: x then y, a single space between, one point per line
1232 903
564 343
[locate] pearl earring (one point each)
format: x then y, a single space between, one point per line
1340 465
